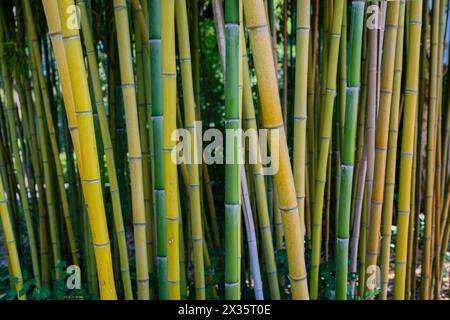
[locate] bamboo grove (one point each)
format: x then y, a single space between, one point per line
348 99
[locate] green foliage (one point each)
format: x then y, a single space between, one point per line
59 291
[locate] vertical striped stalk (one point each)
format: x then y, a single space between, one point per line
144 103
388 200
170 168
134 146
300 106
324 145
17 151
272 120
240 154
382 133
90 174
351 115
260 188
109 153
232 203
157 122
189 107
411 87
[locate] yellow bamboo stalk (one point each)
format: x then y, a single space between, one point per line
10 241
407 149
90 175
388 201
272 119
170 168
324 145
249 119
109 152
134 146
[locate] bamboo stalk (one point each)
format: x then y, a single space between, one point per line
157 122
388 201
412 77
134 147
260 188
300 106
90 174
194 187
382 133
431 155
232 202
351 116
8 232
272 120
251 238
170 168
109 154
324 146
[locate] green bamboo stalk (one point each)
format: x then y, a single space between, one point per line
232 204
157 121
351 116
